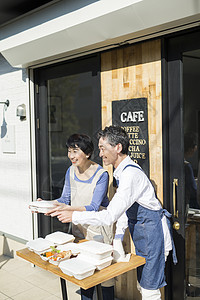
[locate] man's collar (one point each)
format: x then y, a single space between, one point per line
121 166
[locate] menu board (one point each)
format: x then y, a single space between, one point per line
132 116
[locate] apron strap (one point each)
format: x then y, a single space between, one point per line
130 165
168 217
116 181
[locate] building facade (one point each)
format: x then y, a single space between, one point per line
71 66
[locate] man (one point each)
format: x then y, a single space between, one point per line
134 205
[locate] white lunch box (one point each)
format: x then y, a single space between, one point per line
39 245
99 263
78 268
59 238
95 250
42 206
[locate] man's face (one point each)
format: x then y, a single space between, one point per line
108 153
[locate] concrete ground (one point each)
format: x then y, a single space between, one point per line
20 280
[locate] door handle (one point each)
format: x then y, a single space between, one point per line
176 225
175 184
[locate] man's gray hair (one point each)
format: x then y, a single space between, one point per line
115 135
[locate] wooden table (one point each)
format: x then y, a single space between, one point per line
96 279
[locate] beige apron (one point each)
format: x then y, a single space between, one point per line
81 195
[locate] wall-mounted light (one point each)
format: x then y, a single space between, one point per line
7 102
21 111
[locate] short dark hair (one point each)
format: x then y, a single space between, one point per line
115 135
81 141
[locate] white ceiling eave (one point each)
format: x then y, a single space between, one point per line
92 25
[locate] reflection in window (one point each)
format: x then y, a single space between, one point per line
191 75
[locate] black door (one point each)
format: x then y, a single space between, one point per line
181 136
68 101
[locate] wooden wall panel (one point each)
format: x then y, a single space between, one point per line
132 72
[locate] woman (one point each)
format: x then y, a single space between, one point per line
85 189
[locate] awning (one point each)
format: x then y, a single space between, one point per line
36 38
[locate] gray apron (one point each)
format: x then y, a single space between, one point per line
145 227
146 230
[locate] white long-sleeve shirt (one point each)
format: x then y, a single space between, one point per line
134 186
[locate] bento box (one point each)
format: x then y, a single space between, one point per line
42 206
70 246
60 256
99 263
39 245
56 254
78 268
96 250
59 238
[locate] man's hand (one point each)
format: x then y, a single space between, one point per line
65 216
62 211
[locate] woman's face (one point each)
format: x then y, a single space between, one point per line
77 157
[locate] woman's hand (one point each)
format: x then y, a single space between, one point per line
58 207
53 201
36 212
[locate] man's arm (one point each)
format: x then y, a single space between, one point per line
121 226
122 200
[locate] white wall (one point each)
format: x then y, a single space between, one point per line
15 168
